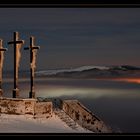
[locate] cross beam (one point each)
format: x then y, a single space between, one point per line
33 51
17 46
2 50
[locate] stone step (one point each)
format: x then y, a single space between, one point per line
65 118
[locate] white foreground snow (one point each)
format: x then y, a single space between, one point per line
27 124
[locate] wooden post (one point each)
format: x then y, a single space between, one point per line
17 46
33 51
2 50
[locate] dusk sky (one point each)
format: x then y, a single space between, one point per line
73 37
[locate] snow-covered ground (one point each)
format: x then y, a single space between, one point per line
27 124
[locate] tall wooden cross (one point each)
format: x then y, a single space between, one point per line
2 50
17 46
33 51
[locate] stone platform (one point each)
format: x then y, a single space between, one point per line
44 108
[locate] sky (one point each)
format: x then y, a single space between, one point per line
73 37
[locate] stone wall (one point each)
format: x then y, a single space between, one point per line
29 106
84 117
43 109
12 106
25 106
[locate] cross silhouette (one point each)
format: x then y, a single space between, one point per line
2 50
17 46
33 51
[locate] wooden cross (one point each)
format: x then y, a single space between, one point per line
2 50
17 46
33 51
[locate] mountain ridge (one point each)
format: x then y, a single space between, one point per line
93 72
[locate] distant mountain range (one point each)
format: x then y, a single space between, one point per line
93 72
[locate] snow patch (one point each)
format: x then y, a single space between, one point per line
27 124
